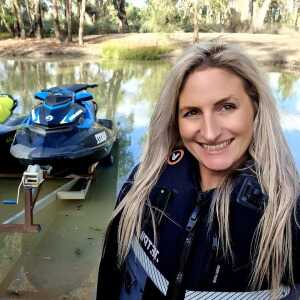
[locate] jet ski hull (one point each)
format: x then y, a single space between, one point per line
70 151
8 163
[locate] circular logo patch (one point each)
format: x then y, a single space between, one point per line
175 157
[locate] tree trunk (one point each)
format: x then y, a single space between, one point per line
81 23
37 24
259 14
297 12
78 8
2 14
195 24
69 19
28 12
296 21
56 21
19 18
16 25
244 8
38 19
121 13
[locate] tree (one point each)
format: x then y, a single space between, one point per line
193 9
69 19
121 13
37 24
259 11
27 5
55 13
81 22
20 23
6 18
160 16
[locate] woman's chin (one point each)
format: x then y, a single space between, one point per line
216 166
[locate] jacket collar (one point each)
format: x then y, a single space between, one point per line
246 189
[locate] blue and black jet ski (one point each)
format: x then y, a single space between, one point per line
8 125
63 132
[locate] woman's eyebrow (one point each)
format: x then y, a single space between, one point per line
188 107
225 99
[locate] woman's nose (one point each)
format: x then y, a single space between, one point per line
211 129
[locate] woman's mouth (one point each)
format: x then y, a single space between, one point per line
217 147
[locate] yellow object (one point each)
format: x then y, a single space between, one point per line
6 105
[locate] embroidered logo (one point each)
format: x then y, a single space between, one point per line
175 157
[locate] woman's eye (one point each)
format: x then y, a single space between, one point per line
227 106
191 113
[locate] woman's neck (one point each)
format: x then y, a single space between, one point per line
210 179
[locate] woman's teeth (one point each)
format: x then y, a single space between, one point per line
216 147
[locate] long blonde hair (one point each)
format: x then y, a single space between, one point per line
274 164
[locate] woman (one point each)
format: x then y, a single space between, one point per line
211 210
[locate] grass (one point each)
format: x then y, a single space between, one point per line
4 35
153 47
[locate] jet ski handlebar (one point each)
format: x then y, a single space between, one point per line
66 90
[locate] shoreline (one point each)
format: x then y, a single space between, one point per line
276 50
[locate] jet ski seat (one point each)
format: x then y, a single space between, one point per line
7 105
61 99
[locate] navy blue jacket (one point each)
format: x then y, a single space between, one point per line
185 258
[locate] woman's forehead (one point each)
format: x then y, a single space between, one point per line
211 84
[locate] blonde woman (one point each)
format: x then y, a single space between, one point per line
211 210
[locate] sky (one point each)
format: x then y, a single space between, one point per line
138 3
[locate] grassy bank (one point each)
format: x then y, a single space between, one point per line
269 49
150 47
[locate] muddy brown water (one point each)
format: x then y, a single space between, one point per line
62 260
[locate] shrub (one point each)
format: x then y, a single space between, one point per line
126 51
5 35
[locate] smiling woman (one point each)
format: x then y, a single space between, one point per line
211 211
215 121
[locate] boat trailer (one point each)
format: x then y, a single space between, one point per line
32 180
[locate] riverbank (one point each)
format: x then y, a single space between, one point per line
269 49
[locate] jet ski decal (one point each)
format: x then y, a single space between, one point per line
100 137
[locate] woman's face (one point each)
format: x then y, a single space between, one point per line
215 120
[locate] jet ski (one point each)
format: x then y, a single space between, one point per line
62 132
8 125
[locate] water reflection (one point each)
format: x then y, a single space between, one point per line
286 88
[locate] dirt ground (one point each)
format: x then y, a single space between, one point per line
270 49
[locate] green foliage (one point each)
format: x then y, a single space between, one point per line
208 16
117 50
4 35
160 16
134 17
6 16
48 29
103 25
108 22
